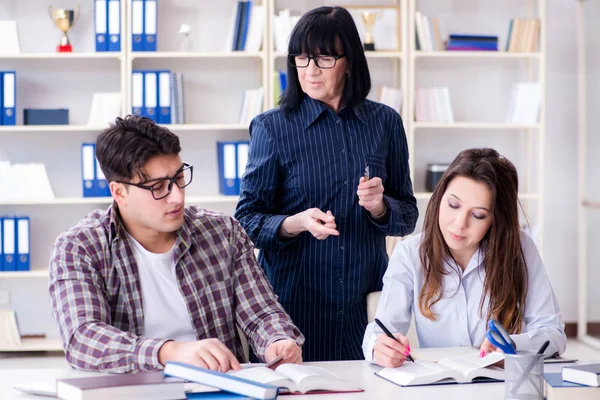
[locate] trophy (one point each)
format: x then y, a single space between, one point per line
369 18
64 20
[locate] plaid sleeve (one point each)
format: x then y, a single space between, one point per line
82 313
258 312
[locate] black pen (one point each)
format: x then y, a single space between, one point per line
389 334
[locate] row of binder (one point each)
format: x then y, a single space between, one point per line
107 25
8 97
157 95
93 179
232 159
14 240
143 25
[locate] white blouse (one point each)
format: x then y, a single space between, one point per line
458 321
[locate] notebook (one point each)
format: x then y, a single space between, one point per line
146 385
588 375
297 378
463 369
557 389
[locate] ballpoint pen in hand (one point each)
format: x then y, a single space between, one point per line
367 172
389 334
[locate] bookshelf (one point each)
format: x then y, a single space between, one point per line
589 191
214 81
467 74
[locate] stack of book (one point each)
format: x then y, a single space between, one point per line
458 42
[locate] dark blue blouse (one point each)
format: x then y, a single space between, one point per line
314 157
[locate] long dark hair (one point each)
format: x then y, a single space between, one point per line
505 269
328 30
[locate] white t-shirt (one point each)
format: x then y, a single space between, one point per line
165 313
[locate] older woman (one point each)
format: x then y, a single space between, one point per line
306 203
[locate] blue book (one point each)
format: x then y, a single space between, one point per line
238 25
454 36
221 381
245 24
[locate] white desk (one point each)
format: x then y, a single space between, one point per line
359 372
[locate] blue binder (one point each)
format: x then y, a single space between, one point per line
150 24
9 244
1 244
88 168
9 97
137 25
114 25
227 160
23 246
245 24
150 107
101 188
164 97
101 24
137 93
1 103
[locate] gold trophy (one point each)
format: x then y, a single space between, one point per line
64 20
369 18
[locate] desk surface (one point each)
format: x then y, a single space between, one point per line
15 370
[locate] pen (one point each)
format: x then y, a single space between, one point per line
389 334
367 172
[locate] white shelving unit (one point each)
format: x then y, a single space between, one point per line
464 67
589 189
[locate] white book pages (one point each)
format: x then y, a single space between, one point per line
449 117
104 109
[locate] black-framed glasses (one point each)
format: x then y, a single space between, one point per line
322 61
162 188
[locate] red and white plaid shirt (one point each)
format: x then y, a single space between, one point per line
96 295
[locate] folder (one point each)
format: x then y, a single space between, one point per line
137 92
23 236
150 22
88 168
1 101
242 160
227 160
150 95
137 25
114 25
101 24
101 188
164 97
9 245
9 98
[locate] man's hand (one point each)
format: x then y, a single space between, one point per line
207 353
292 353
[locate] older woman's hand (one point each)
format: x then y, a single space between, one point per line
321 225
370 196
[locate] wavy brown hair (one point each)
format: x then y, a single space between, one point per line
505 281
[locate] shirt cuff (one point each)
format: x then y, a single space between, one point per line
146 354
269 233
368 346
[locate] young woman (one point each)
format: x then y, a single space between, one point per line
471 263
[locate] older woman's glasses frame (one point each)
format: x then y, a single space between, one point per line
182 178
321 61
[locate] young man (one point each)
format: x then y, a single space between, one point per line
149 281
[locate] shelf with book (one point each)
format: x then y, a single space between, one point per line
34 344
462 104
108 200
50 128
62 56
180 54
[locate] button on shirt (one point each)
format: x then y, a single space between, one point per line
96 298
294 164
458 320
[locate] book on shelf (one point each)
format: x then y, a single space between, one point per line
298 379
391 97
555 388
252 105
246 28
462 42
10 337
220 380
283 24
28 181
151 385
463 369
524 104
588 374
433 105
523 35
428 35
158 95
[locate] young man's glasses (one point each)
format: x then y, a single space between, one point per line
162 188
322 61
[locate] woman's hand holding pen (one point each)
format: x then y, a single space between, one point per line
389 352
370 196
321 225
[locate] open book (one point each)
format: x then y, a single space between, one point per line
297 378
464 369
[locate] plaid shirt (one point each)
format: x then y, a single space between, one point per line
96 295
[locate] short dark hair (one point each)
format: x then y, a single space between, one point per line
320 31
127 144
